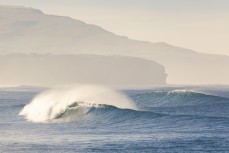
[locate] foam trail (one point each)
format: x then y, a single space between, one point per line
51 104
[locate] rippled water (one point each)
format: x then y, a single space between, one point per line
167 120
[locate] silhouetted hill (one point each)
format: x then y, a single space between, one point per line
47 69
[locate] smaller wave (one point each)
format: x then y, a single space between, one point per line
182 91
63 102
207 92
174 98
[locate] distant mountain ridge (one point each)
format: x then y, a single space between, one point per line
27 30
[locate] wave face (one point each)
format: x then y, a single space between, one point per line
66 104
182 102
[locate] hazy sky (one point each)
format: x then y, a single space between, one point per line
201 25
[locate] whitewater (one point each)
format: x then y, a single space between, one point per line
94 118
56 103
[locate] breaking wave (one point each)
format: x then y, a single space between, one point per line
96 104
66 104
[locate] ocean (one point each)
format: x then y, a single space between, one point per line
157 120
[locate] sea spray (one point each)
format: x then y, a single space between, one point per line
53 104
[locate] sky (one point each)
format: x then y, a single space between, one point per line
201 25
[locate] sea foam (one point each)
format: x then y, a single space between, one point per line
53 103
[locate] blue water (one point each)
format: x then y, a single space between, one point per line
167 120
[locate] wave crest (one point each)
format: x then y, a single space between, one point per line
54 103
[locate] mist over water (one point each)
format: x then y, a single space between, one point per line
54 103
